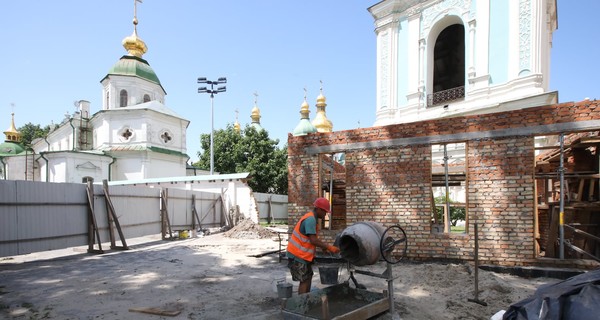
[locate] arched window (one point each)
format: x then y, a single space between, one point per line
449 65
146 98
86 179
123 96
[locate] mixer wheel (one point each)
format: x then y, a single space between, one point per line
392 237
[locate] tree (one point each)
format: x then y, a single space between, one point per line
456 213
250 151
30 132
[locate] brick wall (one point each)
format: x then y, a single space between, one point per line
388 178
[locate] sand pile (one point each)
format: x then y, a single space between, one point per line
248 229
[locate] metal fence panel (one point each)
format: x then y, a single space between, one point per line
278 207
39 216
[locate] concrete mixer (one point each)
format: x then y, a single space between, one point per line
361 244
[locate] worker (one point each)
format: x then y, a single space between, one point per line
303 242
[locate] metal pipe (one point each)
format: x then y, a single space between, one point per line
212 132
390 281
331 190
561 214
447 204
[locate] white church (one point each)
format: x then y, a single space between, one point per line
135 135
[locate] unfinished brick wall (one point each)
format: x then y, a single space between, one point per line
388 178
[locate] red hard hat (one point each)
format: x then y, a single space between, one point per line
322 203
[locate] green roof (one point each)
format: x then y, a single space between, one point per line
134 67
304 128
10 148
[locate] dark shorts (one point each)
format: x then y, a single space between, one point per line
300 271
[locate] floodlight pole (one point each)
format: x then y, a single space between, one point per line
212 92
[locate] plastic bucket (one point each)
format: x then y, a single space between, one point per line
183 234
284 290
329 274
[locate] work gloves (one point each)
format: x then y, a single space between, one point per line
333 249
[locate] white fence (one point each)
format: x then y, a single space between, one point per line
39 216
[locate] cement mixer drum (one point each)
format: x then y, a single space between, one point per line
363 243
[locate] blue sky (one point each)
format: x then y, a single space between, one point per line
56 52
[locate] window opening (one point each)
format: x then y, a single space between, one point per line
448 66
166 137
86 179
127 133
448 188
146 98
333 187
580 195
123 96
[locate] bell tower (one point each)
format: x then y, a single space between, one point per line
443 58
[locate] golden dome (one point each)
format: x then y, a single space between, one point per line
11 133
133 44
255 115
320 121
321 99
304 109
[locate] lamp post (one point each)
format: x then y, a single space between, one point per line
212 91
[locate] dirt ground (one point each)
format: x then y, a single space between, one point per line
215 277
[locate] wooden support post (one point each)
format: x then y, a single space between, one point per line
165 215
194 214
113 219
269 211
93 233
552 232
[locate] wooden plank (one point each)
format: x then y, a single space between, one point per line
93 233
113 219
552 233
366 312
157 311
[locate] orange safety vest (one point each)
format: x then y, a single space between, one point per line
299 244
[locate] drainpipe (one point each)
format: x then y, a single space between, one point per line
72 126
47 168
45 159
3 167
561 214
110 167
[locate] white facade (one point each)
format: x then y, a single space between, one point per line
134 136
501 48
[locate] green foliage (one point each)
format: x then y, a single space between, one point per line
248 151
456 213
30 132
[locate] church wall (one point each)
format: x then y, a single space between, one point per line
388 178
499 41
15 167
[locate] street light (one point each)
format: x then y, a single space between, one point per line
212 92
